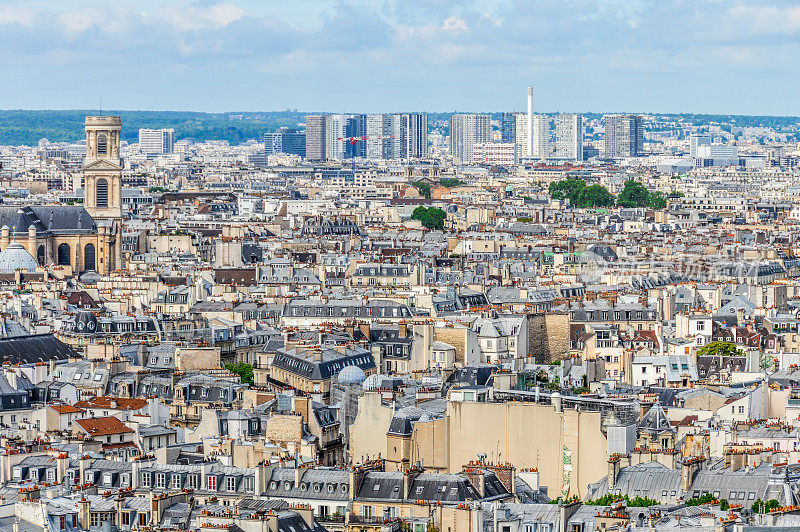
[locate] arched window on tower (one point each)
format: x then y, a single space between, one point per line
64 255
88 257
101 192
40 255
102 144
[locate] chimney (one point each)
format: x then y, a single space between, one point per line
402 329
52 366
690 466
613 470
62 464
83 513
408 478
83 464
475 475
298 475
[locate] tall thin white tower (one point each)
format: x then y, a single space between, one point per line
529 150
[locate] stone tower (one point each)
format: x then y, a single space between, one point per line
102 171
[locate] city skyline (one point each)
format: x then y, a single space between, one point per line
389 56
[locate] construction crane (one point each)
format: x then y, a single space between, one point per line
352 141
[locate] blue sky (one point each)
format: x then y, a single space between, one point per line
714 56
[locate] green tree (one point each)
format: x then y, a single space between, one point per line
431 217
243 370
638 501
450 182
634 194
726 349
702 499
423 188
569 188
760 506
724 505
656 201
595 196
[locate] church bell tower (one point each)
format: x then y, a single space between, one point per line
102 171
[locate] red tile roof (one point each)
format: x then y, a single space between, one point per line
102 426
122 403
66 409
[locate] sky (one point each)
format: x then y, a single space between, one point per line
670 56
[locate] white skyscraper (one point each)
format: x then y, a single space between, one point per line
465 132
408 132
539 128
156 141
379 125
529 151
335 148
569 137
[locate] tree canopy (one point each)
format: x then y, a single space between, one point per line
431 217
595 196
424 189
634 194
726 349
450 182
580 195
569 188
243 370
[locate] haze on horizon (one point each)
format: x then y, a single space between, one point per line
705 56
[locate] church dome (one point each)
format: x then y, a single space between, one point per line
350 375
15 257
373 382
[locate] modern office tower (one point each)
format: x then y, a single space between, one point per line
316 133
569 137
336 126
539 148
508 128
285 140
355 126
156 141
699 139
417 130
624 136
406 136
465 132
379 125
399 134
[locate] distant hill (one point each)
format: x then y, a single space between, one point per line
18 127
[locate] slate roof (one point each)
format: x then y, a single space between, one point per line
33 348
52 219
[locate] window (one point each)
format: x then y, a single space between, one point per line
161 480
107 479
212 483
145 480
231 481
175 482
